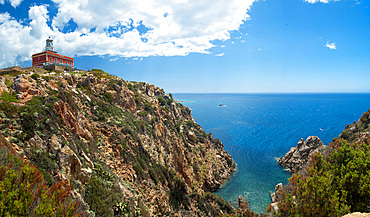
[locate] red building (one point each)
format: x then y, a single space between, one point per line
50 57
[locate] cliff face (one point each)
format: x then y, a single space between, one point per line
298 158
126 147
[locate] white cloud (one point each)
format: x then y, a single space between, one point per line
220 55
189 27
331 46
259 49
15 3
222 46
1 1
113 59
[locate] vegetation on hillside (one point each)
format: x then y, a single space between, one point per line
23 191
334 186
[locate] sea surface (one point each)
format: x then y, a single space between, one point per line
256 129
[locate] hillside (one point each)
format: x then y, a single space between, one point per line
126 148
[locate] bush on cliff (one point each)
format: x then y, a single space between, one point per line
333 186
23 191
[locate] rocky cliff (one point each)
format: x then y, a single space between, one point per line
298 158
359 131
126 147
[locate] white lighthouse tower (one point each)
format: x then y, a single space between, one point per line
49 45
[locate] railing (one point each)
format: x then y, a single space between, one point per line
56 63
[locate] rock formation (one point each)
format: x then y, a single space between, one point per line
129 139
298 158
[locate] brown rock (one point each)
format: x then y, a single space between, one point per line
72 166
278 194
243 204
70 120
364 138
68 117
21 83
54 144
192 137
36 143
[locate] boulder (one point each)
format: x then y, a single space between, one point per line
72 166
54 144
69 161
191 136
278 194
36 143
21 83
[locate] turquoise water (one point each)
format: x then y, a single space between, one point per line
257 128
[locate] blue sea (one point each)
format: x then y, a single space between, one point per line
256 129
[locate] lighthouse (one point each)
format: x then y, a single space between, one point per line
50 59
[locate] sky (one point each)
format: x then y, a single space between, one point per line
208 46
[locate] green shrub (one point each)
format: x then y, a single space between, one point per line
334 186
35 76
162 101
148 107
108 97
102 193
23 192
9 97
45 163
8 83
9 109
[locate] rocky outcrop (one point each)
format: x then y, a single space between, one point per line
3 86
70 121
278 194
363 137
24 88
131 138
243 204
356 132
299 158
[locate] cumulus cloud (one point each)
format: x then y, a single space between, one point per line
123 28
331 46
219 55
15 3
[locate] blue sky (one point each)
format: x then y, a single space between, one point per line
226 46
